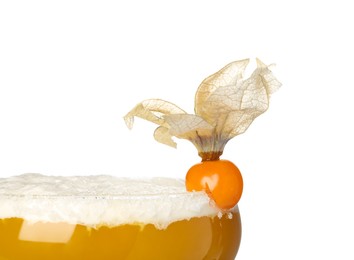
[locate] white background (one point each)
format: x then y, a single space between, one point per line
70 70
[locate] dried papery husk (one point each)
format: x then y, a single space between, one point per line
225 106
152 110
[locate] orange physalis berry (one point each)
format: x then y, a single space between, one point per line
221 179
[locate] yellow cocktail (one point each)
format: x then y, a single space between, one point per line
102 217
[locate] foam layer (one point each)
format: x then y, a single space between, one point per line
100 200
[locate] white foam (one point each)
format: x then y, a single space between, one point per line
101 200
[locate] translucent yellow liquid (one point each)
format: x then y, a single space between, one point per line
194 239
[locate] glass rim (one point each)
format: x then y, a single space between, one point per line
104 196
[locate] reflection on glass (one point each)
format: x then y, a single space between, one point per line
46 232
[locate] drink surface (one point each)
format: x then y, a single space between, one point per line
100 199
102 217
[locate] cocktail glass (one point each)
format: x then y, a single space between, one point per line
153 219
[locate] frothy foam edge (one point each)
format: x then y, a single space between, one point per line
101 200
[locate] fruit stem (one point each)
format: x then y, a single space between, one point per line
210 156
